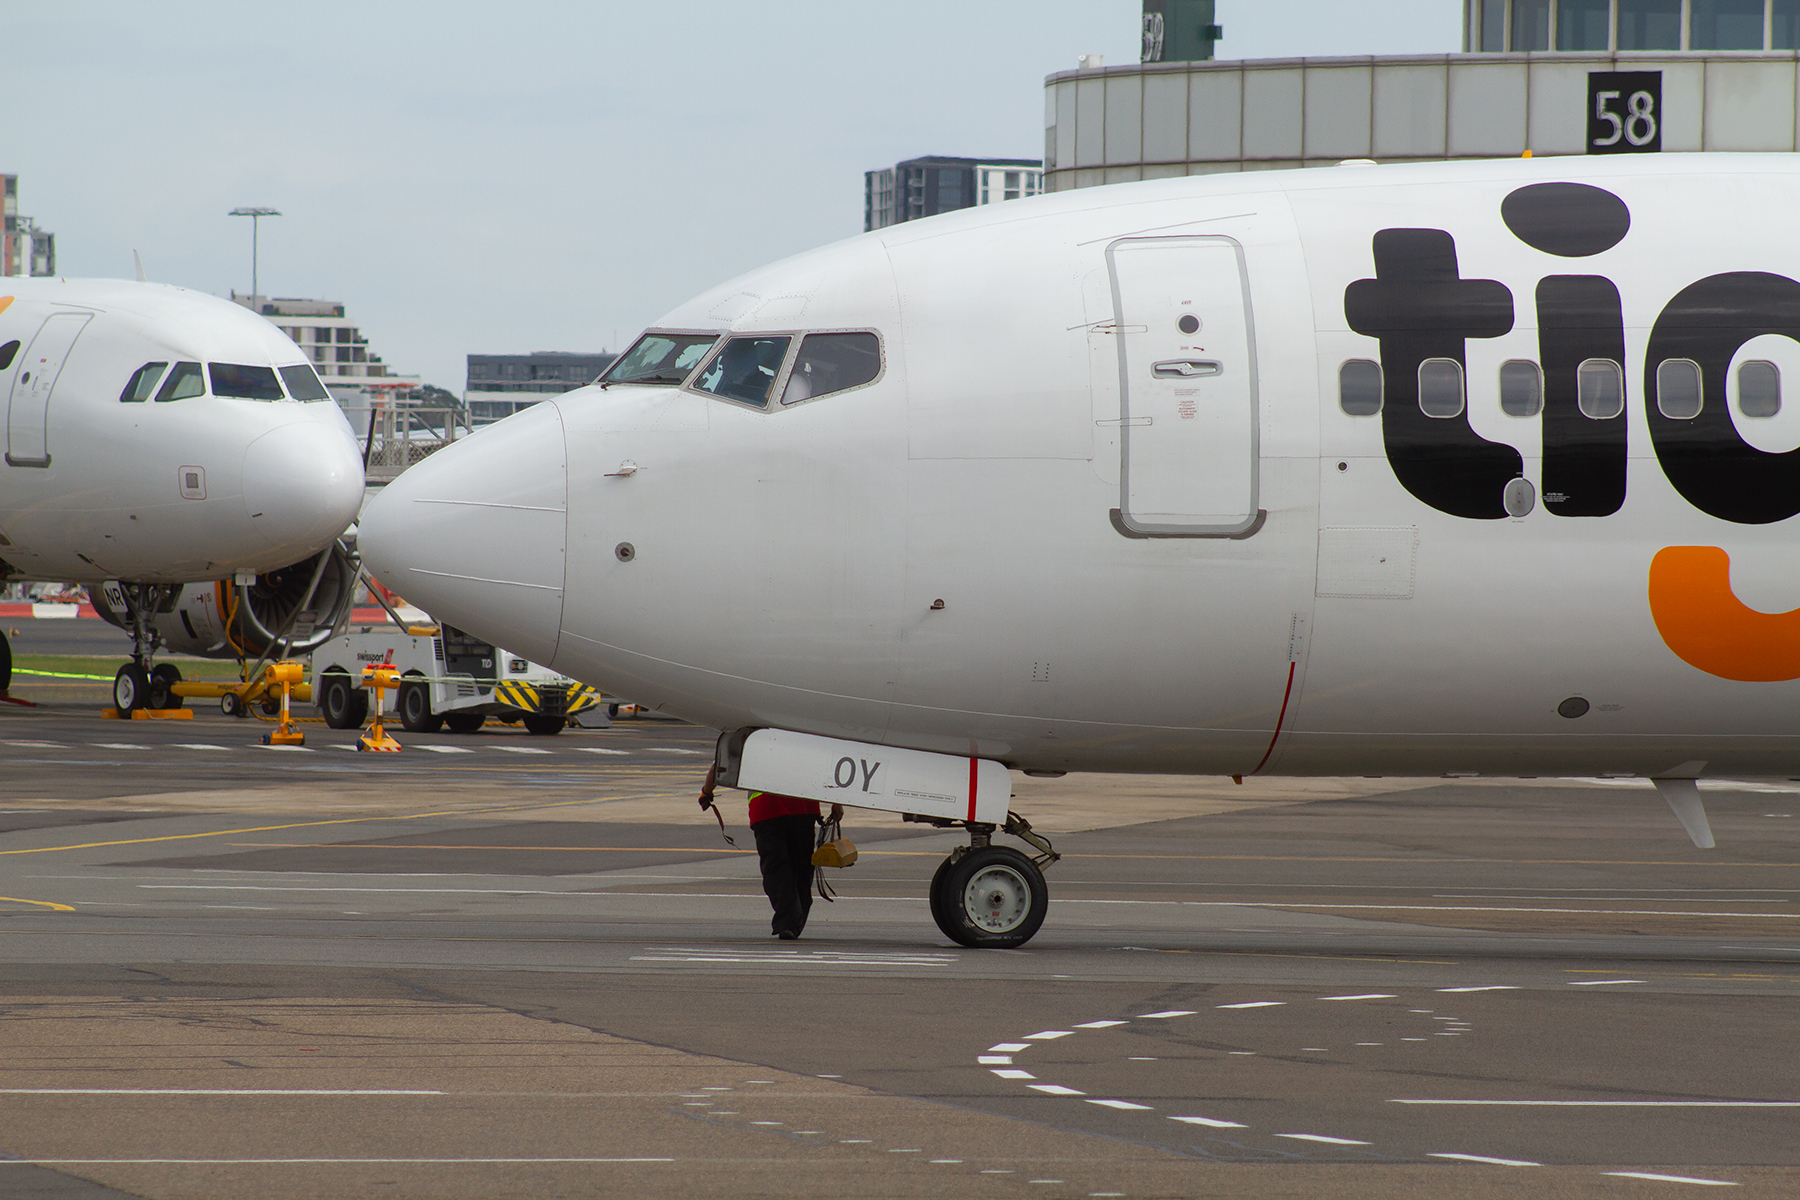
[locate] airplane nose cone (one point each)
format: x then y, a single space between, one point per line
303 483
475 534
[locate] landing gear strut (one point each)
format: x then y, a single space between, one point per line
991 897
138 685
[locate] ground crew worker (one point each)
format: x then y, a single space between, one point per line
785 829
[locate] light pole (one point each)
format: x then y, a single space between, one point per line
256 215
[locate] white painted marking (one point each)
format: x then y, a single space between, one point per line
1245 1052
221 1092
809 1132
248 1162
1043 1181
806 958
1368 1043
1600 982
51 745
1056 1089
1121 1104
118 746
1498 1162
1163 1016
1319 1137
598 750
1492 987
1672 1178
1324 1049
1099 1024
1009 1048
1406 1039
195 746
1015 1074
765 1122
445 749
1048 1035
1211 1123
912 1151
520 749
1364 996
994 1060
295 749
672 750
1614 1103
342 746
854 1141
947 1160
1254 1004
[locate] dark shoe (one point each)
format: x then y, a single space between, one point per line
789 935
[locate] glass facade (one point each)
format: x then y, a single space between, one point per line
1529 26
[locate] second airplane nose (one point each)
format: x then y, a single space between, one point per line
475 534
303 483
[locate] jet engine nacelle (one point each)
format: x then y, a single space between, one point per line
223 619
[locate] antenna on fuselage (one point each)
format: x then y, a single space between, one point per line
139 260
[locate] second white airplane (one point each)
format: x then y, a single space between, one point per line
1477 468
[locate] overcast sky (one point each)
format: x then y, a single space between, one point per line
485 178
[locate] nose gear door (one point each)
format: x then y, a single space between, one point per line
1187 387
28 408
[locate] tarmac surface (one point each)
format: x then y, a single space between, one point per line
556 979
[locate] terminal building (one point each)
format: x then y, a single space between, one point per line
501 384
1550 77
924 187
24 248
355 375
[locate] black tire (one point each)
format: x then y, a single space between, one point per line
270 705
342 704
936 894
131 688
612 710
992 898
415 709
544 725
5 663
232 705
464 722
163 678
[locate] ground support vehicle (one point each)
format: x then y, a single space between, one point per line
447 678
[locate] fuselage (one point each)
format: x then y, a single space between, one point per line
158 435
1350 471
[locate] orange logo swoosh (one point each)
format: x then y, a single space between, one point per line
1708 627
5 303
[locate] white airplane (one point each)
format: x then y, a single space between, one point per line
1461 468
157 437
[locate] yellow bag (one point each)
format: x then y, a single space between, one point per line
840 852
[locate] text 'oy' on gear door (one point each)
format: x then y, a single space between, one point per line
1187 386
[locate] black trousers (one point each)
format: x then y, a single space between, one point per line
785 846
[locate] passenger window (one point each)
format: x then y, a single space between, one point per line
1678 395
1600 389
303 383
184 382
244 382
1359 388
1441 387
832 362
1759 389
6 354
1521 388
745 369
142 384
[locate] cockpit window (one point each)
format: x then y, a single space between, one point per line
244 382
6 354
184 382
745 369
832 362
142 384
303 382
660 358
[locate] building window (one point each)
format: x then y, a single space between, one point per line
1493 25
1650 24
1784 25
1582 24
1725 25
1530 25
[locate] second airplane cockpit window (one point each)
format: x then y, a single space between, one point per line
664 359
832 362
745 369
245 382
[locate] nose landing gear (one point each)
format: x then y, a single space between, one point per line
992 897
138 685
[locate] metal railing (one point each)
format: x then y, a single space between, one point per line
403 435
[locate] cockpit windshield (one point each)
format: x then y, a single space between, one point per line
745 369
303 382
245 382
660 358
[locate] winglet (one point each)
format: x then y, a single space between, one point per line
139 260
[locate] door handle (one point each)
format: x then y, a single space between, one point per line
1186 368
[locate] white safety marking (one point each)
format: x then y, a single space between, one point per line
994 1060
521 749
854 1141
1056 1089
52 745
1492 987
1121 1104
823 958
1600 982
1211 1123
1407 1039
1244 1052
342 746
1048 1035
1254 1004
1672 1178
1614 1103
295 749
809 1132
915 1150
1498 1162
946 1160
1319 1137
1368 1043
1364 996
598 750
220 1092
118 745
282 1162
1009 1048
673 750
444 749
1013 1074
765 1122
1043 1181
1325 1049
1100 1024
195 746
1163 1016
